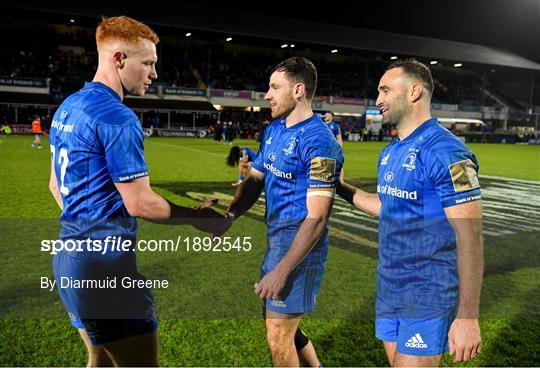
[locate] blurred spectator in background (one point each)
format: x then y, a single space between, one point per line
219 132
38 131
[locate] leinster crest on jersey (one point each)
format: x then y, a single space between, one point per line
288 150
410 162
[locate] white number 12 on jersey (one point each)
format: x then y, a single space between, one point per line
63 162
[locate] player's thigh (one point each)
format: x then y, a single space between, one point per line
281 326
140 350
387 326
405 360
299 294
97 355
423 331
390 350
92 349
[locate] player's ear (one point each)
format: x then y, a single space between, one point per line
416 91
299 90
119 59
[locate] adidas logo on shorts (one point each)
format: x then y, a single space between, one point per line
416 342
278 303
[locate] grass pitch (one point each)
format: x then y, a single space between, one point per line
209 315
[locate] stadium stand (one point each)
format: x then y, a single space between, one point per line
59 57
67 57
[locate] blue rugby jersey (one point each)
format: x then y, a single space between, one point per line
294 159
334 127
246 151
96 141
417 178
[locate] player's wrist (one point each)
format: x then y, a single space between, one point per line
178 212
230 215
283 269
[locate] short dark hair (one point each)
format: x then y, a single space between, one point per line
415 69
300 70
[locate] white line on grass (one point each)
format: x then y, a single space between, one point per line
505 216
509 225
514 197
351 224
510 179
508 206
509 185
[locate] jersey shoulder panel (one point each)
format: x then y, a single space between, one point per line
442 147
317 130
102 107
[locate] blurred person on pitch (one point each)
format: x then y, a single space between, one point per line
336 131
243 157
37 129
334 127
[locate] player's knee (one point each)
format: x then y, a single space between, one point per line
281 346
278 338
98 357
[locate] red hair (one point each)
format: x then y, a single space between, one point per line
124 29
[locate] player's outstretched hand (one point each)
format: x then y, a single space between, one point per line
464 341
206 204
211 221
271 285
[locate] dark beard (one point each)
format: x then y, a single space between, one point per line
286 113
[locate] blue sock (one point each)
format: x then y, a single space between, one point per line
241 178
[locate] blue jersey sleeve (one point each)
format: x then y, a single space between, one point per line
258 162
323 159
124 152
251 155
454 175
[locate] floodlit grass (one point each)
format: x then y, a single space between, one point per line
209 315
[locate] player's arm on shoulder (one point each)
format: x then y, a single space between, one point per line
247 193
369 203
53 187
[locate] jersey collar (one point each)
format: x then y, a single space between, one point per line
420 129
101 86
299 124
